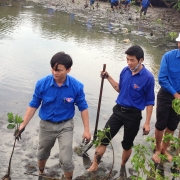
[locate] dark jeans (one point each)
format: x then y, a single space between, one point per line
165 115
130 118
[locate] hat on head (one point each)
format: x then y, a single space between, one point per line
178 38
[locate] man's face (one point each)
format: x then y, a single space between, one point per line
179 45
132 61
60 73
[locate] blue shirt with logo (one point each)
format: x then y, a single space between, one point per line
136 91
169 72
145 3
58 103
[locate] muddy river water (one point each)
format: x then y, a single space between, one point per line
29 36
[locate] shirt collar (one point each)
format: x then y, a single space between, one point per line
53 83
142 70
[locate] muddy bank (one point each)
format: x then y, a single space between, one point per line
156 25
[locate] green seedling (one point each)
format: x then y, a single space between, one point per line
176 105
14 122
101 134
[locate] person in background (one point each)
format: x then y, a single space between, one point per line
127 5
92 4
167 120
57 94
114 4
144 6
135 92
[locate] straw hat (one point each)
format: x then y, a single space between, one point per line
178 38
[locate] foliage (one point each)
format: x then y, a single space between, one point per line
14 122
177 5
141 161
101 134
158 21
172 35
176 105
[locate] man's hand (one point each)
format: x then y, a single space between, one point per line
18 133
146 129
104 74
87 136
177 96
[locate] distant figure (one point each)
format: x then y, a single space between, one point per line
144 6
114 3
127 4
167 119
92 4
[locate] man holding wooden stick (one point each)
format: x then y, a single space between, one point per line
136 91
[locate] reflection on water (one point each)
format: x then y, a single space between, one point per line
29 37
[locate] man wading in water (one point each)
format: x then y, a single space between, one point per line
136 90
57 94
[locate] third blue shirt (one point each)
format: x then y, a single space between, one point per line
169 72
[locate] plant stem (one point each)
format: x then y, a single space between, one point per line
41 176
9 167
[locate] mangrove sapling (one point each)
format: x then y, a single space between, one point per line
176 143
176 105
140 164
14 122
101 134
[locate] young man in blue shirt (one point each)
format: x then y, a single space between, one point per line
57 94
167 119
127 4
114 3
136 91
144 6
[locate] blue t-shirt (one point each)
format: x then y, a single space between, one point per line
114 1
128 1
136 91
169 72
58 103
145 3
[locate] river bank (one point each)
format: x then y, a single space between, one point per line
157 24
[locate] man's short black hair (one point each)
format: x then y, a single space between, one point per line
135 51
61 58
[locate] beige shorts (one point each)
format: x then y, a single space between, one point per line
48 134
